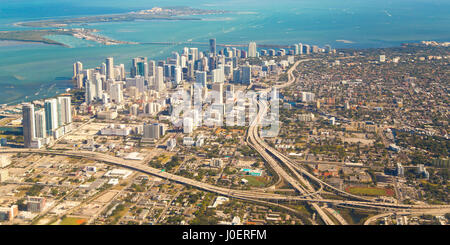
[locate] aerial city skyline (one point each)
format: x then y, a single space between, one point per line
211 131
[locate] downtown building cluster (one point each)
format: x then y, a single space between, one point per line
43 125
147 89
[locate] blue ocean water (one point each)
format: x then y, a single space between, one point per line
31 71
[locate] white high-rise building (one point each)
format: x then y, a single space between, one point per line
159 79
91 92
51 115
178 75
194 53
140 83
218 75
300 48
40 128
65 110
296 49
77 68
252 49
116 93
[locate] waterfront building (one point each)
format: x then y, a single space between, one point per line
51 115
40 128
64 110
28 123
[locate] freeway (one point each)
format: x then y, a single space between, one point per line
372 219
254 140
241 194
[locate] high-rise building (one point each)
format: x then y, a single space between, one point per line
296 49
188 125
140 83
116 93
193 54
252 49
64 110
218 75
138 66
200 78
91 92
40 128
28 122
212 46
177 77
217 89
77 68
159 79
246 74
151 67
110 68
306 49
236 76
51 115
300 48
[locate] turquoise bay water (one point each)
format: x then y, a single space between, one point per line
38 70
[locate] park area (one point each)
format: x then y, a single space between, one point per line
369 191
257 181
72 221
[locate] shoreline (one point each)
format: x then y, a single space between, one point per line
422 44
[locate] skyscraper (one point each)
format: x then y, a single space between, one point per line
28 123
116 93
217 89
200 78
218 75
246 74
137 67
65 110
212 46
51 115
177 76
296 49
159 79
77 68
109 68
252 49
151 67
40 129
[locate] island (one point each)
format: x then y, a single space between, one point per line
156 13
41 36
